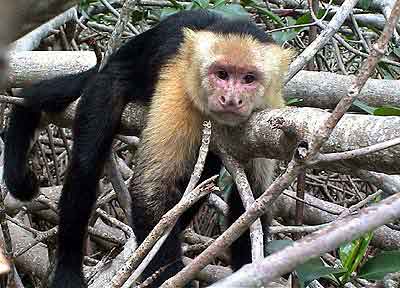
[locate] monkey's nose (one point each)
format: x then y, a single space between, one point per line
231 103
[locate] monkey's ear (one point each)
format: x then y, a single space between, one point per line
200 41
286 56
277 59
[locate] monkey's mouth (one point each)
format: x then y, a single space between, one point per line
229 118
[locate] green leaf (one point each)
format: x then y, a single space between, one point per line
281 37
168 11
377 267
202 3
362 248
269 14
315 269
293 101
232 11
218 3
387 110
309 271
225 180
365 107
306 18
364 4
252 3
290 21
352 253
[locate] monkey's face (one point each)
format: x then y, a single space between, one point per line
231 92
228 76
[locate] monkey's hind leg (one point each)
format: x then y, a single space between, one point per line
241 248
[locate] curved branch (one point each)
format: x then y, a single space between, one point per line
315 89
260 137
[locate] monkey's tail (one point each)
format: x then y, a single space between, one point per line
48 96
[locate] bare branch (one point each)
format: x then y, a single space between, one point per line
296 165
313 245
366 70
22 16
168 220
244 189
323 38
358 152
32 40
317 211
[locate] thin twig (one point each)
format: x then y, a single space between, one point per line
115 12
244 189
53 154
235 230
360 204
117 181
115 39
323 38
357 152
295 229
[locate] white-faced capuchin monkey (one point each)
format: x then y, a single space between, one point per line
192 66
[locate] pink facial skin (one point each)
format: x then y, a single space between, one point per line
234 91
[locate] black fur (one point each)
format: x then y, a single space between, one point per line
130 75
49 96
149 206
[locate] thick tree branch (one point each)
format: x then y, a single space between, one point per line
261 137
315 89
303 121
315 244
29 66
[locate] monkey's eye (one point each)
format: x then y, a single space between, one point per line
249 78
222 74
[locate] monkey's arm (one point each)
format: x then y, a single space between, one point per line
153 194
97 120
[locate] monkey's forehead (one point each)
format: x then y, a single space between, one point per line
241 47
